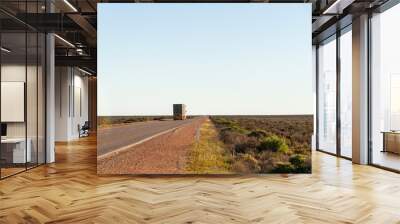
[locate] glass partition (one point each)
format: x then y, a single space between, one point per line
327 96
22 78
41 96
14 153
31 99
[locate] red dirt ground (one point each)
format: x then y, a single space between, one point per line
164 154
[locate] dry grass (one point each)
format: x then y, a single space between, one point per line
267 144
209 155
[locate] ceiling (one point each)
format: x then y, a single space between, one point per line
75 21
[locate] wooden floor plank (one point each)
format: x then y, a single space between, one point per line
69 191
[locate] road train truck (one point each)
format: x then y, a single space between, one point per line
179 111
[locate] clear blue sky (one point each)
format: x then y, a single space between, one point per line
215 58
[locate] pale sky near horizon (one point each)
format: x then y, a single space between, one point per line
226 59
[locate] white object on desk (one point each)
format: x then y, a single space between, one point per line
19 155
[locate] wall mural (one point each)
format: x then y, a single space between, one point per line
204 89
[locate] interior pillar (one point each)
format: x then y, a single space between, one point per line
50 92
360 89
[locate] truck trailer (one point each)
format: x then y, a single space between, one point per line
179 111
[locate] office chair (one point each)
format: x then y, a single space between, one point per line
84 130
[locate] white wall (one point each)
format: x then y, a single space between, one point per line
71 102
62 81
80 110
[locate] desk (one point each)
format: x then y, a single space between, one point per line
391 141
15 148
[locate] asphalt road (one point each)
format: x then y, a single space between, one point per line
113 138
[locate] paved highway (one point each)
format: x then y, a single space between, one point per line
112 138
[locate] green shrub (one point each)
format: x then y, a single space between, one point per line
223 121
283 167
300 164
297 160
273 143
235 128
228 125
258 133
244 148
240 148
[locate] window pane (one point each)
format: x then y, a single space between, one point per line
385 89
346 94
327 96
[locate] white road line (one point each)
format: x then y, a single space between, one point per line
127 147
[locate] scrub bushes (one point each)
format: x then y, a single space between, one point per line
267 144
273 143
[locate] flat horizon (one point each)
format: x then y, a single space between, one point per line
208 115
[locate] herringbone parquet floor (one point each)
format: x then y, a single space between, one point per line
69 191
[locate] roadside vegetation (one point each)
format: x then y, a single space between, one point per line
266 144
209 155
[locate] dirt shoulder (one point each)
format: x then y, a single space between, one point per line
164 154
